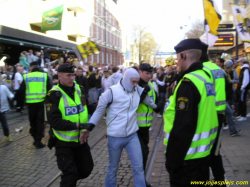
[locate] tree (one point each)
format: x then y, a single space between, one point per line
145 44
197 30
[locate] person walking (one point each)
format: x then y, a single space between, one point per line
145 113
122 101
36 85
67 115
242 89
4 106
19 90
190 119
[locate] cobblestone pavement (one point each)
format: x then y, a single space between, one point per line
23 165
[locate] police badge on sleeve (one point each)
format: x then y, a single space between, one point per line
48 107
182 103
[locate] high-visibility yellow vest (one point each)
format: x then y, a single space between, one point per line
207 123
36 86
72 111
218 78
145 113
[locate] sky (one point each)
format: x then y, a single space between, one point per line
163 18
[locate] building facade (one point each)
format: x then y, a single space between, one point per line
82 21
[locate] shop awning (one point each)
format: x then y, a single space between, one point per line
19 37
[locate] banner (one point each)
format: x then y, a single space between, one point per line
87 49
240 15
52 19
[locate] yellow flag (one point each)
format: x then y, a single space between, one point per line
212 16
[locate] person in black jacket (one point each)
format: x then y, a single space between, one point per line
73 158
81 80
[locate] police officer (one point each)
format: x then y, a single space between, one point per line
36 86
218 77
144 112
67 114
190 119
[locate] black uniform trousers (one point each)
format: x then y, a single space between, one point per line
75 163
243 103
36 117
191 170
143 135
215 162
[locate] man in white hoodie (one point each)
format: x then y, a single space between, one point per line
116 76
242 88
122 101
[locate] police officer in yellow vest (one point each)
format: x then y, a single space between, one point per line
190 119
67 114
144 112
36 86
218 78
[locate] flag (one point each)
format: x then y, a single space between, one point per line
212 16
212 21
52 19
240 16
87 49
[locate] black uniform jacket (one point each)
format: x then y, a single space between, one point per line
185 122
55 116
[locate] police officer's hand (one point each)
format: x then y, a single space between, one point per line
84 136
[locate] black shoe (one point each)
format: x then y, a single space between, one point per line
236 133
148 184
39 145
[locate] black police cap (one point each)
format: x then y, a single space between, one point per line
188 44
35 63
66 68
146 67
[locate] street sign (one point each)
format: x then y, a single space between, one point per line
165 53
225 40
226 26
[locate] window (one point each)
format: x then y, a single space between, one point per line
86 60
97 32
114 40
111 38
96 8
101 34
110 18
97 58
111 58
101 10
107 58
92 58
91 31
102 57
107 37
106 15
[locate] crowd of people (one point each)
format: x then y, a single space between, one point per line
76 96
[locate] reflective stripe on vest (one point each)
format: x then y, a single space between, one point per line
38 90
206 129
145 113
219 85
74 113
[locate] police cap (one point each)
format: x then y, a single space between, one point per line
35 63
146 67
188 44
66 68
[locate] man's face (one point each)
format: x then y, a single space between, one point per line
145 75
218 63
134 81
229 69
66 79
240 63
169 68
180 62
8 72
79 73
106 74
30 52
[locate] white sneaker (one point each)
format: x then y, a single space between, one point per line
238 117
242 119
159 116
225 128
248 115
104 117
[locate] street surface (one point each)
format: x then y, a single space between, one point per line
24 165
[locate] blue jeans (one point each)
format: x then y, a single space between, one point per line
162 98
99 92
229 116
4 124
133 148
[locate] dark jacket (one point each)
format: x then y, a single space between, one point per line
83 81
163 78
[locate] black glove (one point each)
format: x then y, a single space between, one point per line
159 107
88 126
144 93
